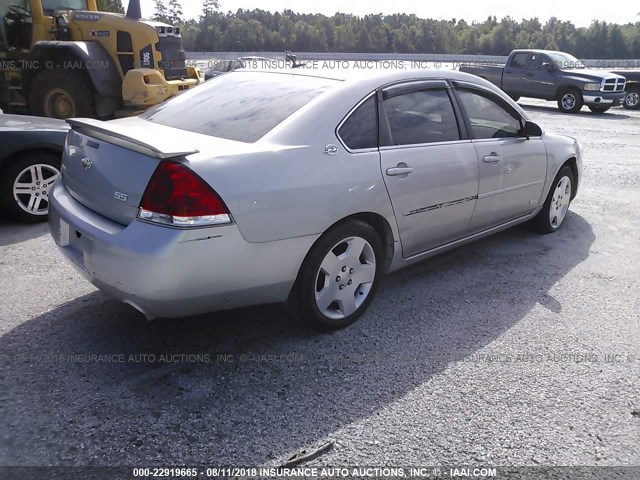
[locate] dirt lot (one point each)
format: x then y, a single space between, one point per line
516 350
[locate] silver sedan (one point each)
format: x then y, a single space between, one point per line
261 187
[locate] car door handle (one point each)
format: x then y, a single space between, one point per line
493 158
401 169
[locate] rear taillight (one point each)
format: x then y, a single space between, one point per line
178 197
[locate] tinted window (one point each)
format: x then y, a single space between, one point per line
421 117
361 128
537 60
519 60
489 119
239 106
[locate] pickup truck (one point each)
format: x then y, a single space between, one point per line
554 76
632 88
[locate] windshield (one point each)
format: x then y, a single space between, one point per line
564 61
241 106
50 6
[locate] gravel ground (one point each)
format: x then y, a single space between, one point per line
515 350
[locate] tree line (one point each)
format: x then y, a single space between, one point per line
260 30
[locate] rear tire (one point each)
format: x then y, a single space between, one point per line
25 185
61 94
632 99
339 277
570 100
598 109
556 206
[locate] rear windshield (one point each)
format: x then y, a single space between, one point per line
242 106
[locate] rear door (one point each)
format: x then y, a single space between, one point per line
512 168
429 168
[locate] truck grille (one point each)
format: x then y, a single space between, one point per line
173 57
613 85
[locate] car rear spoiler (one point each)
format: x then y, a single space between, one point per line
121 136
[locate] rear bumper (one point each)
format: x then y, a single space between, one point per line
603 98
166 272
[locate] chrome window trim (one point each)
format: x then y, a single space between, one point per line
422 145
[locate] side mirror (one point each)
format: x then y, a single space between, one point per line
548 66
530 129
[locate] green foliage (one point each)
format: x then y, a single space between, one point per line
175 12
161 13
110 6
259 30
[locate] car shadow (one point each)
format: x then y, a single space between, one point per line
616 114
245 387
12 232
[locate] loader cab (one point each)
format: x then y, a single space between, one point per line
16 25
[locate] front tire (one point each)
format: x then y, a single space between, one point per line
598 109
570 100
25 185
339 277
556 206
632 99
61 94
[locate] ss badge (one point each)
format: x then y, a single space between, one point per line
123 197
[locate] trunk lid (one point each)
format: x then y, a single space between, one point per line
107 165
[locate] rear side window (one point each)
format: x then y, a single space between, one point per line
488 118
361 128
242 106
421 117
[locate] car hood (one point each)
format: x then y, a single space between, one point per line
590 74
23 122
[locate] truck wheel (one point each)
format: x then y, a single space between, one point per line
61 94
632 100
599 108
569 100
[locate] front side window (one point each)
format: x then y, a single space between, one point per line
519 60
421 117
361 128
488 118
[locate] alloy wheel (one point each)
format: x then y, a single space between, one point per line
345 278
560 202
32 186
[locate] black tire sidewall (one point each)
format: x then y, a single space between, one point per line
635 90
303 295
9 173
74 83
576 94
543 225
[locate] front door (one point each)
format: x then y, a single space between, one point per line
430 173
512 168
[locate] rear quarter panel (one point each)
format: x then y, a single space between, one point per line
291 187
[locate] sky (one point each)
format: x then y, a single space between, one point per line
581 13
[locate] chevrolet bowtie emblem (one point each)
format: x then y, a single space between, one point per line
86 163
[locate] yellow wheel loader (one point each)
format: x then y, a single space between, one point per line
64 58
